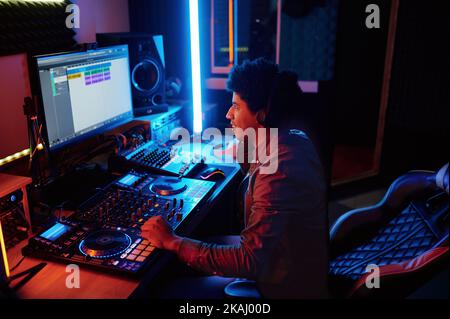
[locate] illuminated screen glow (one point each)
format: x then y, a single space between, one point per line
84 93
129 179
55 232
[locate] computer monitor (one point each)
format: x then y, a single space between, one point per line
83 94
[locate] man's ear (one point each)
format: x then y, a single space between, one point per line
261 117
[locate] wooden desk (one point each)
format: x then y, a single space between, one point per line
50 282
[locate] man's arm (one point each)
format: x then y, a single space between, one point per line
263 231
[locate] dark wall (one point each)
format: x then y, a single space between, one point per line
359 72
417 117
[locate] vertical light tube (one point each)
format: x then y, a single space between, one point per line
278 40
4 267
236 33
230 32
195 65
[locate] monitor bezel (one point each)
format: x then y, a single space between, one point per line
37 91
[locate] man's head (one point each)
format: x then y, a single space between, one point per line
251 84
262 95
241 117
253 81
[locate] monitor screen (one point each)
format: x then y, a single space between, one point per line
84 93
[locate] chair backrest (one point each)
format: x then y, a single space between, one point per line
415 235
442 178
414 231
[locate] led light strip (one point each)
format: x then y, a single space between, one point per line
16 156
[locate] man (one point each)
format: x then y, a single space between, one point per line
284 244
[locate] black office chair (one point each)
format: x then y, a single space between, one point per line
405 235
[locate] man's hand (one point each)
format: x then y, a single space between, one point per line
160 234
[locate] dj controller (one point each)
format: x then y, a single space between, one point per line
105 231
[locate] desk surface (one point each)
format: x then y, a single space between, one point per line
50 282
10 183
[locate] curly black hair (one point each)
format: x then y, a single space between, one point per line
253 80
263 86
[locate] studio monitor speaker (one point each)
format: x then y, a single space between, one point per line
147 67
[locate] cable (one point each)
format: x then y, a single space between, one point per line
17 264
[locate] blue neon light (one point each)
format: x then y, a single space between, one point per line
195 65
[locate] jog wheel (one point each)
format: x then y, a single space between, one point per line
105 244
168 186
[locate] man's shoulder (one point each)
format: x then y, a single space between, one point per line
293 134
296 152
295 162
293 141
